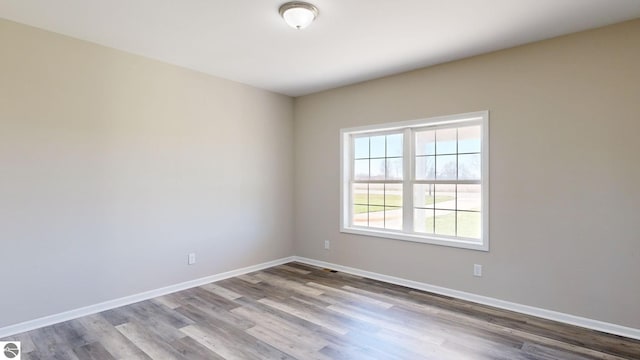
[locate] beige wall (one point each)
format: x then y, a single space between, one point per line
565 179
113 167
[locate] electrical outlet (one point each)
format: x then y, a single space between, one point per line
327 244
192 259
477 270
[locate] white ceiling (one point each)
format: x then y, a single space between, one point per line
351 41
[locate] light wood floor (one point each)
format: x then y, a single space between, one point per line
296 311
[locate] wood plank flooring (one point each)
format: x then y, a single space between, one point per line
296 311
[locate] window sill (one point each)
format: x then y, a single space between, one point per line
425 239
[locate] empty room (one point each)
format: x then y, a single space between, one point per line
411 179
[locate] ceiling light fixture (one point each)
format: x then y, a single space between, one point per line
298 14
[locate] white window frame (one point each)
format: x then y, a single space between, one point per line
407 127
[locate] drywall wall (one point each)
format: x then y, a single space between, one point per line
114 167
565 179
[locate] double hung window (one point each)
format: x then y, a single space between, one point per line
424 180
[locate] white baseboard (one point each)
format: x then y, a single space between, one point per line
112 304
507 305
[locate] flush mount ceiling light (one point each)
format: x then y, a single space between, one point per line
298 14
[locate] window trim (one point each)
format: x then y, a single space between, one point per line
346 155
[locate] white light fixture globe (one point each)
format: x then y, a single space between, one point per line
298 14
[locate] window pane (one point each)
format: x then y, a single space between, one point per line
445 222
361 147
376 216
360 215
445 197
469 224
394 145
360 196
446 168
361 170
469 139
394 169
423 195
393 195
446 141
469 197
425 168
425 143
377 205
377 146
393 218
469 167
360 193
423 221
376 194
377 169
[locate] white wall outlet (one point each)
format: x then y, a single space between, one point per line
327 244
192 258
477 270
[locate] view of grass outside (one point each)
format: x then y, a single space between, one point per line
377 201
468 224
381 210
